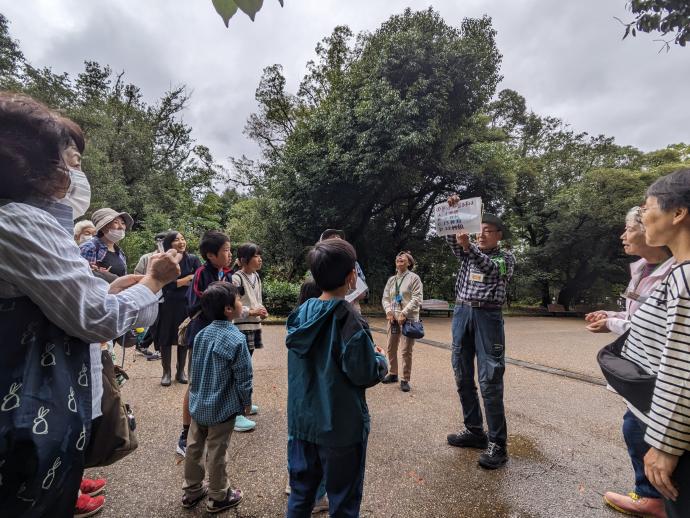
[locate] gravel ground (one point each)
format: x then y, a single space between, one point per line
564 438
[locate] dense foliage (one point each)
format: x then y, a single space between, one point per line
664 16
383 126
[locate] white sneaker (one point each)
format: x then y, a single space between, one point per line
242 424
321 505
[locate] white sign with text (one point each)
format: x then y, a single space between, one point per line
465 216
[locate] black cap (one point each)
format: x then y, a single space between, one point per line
331 232
497 222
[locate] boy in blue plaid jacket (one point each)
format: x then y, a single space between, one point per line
220 390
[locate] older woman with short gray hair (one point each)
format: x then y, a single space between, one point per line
659 344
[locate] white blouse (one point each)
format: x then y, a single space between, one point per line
40 260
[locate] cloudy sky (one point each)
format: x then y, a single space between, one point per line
566 58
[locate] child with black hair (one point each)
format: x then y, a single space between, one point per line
220 390
216 250
249 286
332 360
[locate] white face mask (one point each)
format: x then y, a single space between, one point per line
79 194
84 238
115 235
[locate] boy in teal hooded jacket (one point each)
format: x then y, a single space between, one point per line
332 359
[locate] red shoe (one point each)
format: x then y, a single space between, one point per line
636 505
88 505
92 486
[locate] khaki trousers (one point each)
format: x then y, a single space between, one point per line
392 352
216 440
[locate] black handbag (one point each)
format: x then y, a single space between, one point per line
626 377
413 329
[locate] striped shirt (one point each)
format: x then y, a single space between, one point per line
480 277
40 260
659 342
221 374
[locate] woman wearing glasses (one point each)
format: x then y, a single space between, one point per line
659 343
402 300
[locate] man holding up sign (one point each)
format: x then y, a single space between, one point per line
483 276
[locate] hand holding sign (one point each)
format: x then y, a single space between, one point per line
458 215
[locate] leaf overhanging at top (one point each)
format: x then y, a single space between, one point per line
226 9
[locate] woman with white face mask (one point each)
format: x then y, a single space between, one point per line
103 251
51 308
84 231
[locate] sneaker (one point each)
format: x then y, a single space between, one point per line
88 505
255 410
92 487
242 424
232 499
467 439
155 355
321 505
188 502
405 386
390 378
288 489
181 448
494 457
143 351
637 505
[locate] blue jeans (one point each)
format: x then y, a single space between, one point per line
343 469
633 433
479 332
321 491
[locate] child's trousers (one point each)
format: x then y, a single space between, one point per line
216 438
343 469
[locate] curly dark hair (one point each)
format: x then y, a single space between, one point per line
32 139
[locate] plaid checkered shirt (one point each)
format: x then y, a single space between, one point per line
486 263
221 374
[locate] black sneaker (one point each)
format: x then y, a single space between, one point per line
405 386
188 502
467 439
232 499
390 378
494 457
143 351
155 355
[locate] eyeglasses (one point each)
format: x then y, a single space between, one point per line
644 209
487 232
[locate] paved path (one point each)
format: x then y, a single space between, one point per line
564 439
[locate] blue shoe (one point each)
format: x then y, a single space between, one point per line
242 424
255 410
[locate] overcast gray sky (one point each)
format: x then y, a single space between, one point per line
565 57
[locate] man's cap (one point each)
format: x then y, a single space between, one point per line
497 222
330 232
102 217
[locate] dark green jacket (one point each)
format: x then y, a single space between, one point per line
331 361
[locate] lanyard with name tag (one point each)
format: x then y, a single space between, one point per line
477 277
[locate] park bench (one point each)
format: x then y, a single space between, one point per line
558 310
432 306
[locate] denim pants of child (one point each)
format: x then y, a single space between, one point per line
633 433
478 332
343 470
321 491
